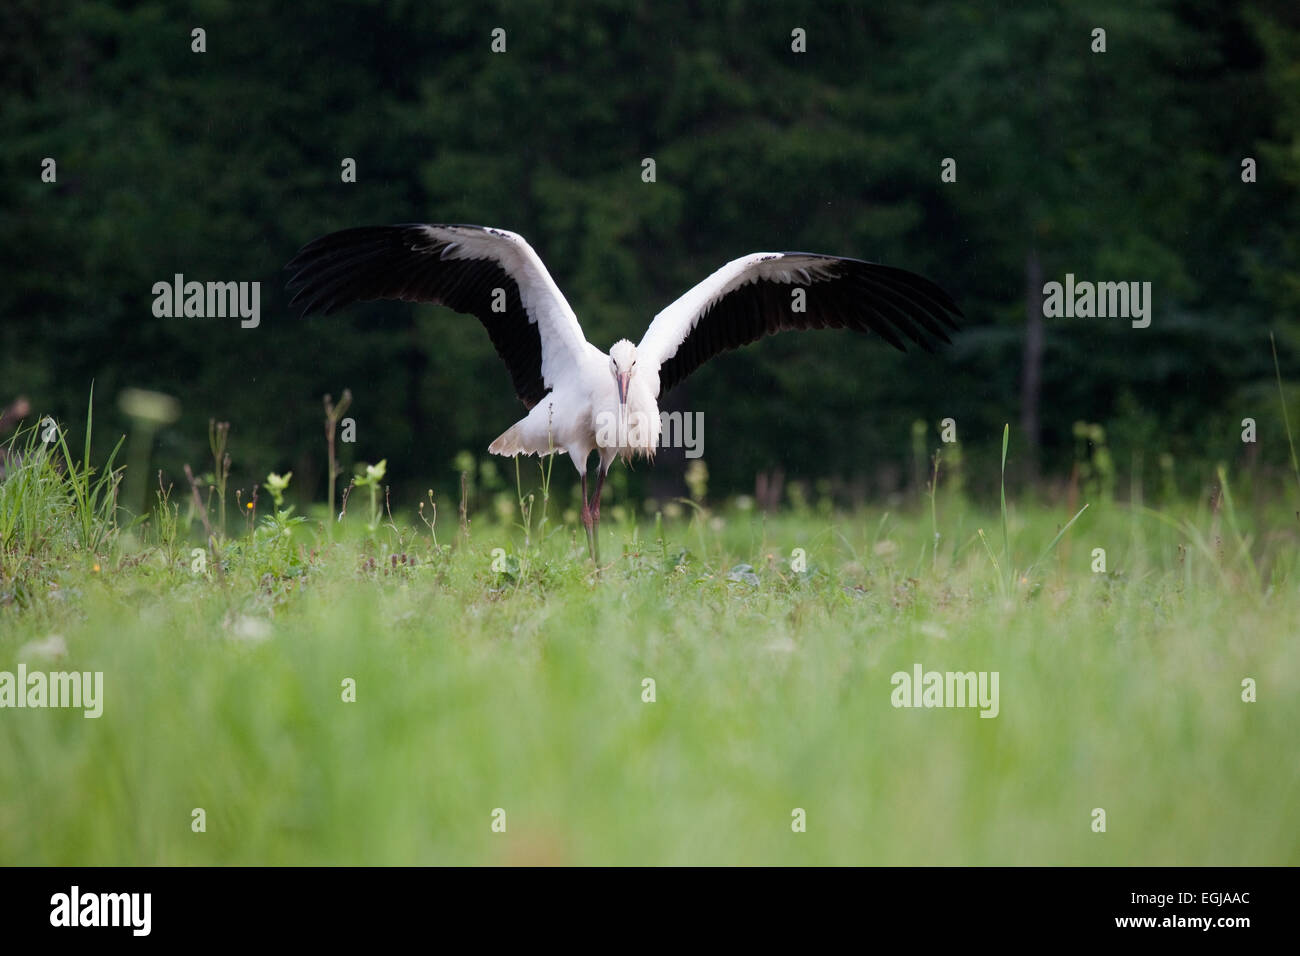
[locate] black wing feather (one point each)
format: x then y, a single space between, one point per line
406 262
863 296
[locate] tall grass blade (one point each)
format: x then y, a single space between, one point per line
1286 420
1057 540
1006 536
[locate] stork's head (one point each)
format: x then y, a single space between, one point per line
622 364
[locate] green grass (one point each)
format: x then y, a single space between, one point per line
522 689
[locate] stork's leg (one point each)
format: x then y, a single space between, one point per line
595 513
586 508
595 502
587 520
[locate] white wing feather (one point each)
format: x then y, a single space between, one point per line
670 328
563 343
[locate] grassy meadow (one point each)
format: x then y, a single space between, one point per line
496 669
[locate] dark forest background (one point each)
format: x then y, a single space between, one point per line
1123 165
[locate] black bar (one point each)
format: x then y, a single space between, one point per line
334 905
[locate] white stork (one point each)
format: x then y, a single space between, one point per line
580 399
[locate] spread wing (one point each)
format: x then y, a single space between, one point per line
491 274
769 292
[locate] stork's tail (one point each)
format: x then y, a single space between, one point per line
510 442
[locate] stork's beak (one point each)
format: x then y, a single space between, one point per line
622 386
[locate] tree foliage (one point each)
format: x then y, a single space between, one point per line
1122 165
